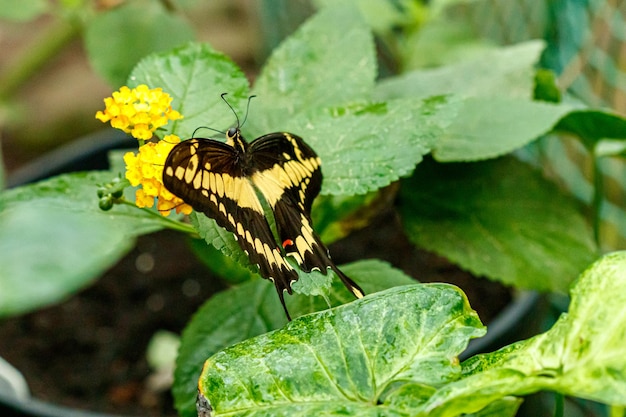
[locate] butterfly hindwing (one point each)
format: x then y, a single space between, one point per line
289 176
208 176
287 166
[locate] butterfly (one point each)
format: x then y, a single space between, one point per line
224 180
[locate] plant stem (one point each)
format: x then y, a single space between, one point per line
598 195
559 401
167 222
38 54
175 224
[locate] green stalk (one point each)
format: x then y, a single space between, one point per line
559 404
598 196
167 222
40 52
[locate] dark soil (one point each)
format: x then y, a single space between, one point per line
89 352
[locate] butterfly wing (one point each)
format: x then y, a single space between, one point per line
289 176
209 176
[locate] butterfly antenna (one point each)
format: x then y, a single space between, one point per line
239 124
247 110
232 109
193 135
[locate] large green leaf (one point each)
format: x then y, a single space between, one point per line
582 355
252 309
195 75
54 239
140 28
349 141
413 396
76 193
48 253
488 127
500 72
328 61
491 112
229 317
498 218
480 128
441 40
600 131
221 239
342 361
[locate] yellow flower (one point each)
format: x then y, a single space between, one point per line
145 168
138 111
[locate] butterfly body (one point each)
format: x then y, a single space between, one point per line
224 180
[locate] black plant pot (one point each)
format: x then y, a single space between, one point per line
513 323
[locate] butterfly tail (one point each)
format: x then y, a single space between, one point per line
351 285
281 296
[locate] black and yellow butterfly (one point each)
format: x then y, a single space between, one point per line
224 180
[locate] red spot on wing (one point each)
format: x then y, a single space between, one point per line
287 242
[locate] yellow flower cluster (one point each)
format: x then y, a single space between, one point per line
138 111
146 169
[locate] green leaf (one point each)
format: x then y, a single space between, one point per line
223 265
314 283
195 75
305 72
76 193
502 72
336 216
504 407
349 140
490 127
140 28
48 253
491 112
88 240
383 16
582 355
22 11
218 324
221 239
442 41
500 219
343 360
229 317
611 147
593 127
372 275
413 396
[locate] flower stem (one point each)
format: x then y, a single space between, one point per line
559 401
167 222
598 193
